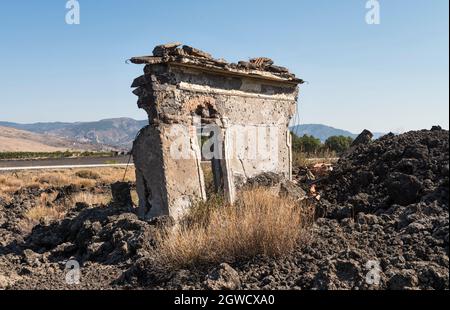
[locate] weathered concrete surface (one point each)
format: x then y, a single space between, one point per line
248 104
150 177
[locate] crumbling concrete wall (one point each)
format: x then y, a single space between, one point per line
249 105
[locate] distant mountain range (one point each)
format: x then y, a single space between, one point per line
117 132
120 132
323 132
16 140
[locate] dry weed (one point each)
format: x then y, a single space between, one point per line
259 223
90 199
88 174
10 183
42 212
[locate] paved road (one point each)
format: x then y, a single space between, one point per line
64 163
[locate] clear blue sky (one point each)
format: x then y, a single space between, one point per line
389 77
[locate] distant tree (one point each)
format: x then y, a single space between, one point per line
305 144
338 144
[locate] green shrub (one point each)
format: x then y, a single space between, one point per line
306 144
338 144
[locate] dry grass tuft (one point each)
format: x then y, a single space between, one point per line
9 185
57 179
12 182
259 223
39 213
47 199
5 199
48 209
45 209
88 174
90 199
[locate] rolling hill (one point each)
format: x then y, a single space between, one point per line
16 140
118 132
323 132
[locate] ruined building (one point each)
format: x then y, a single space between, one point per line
241 110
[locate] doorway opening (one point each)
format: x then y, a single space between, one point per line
210 142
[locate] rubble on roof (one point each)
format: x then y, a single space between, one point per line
190 56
